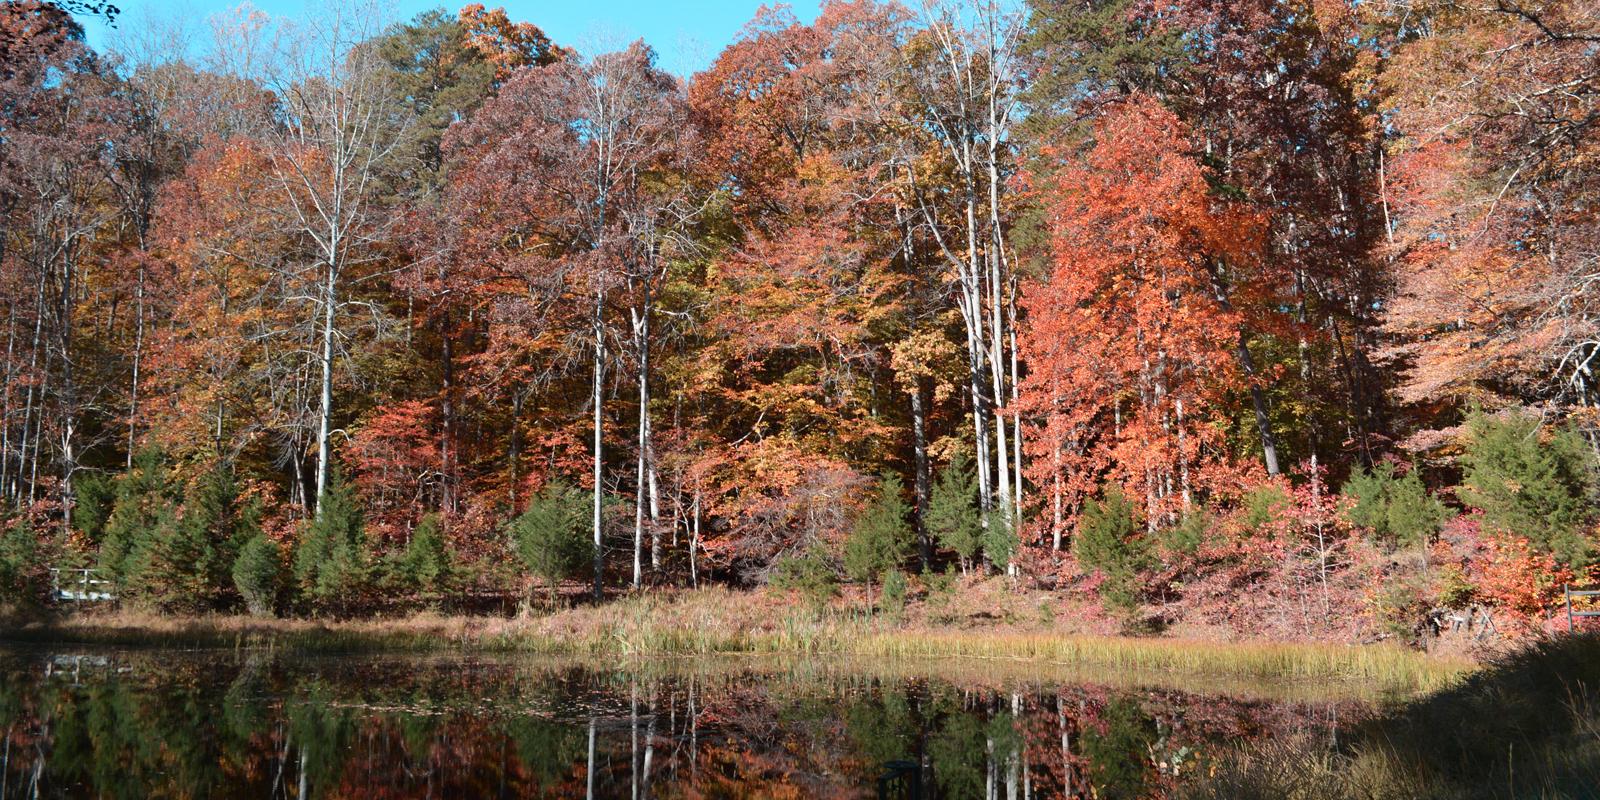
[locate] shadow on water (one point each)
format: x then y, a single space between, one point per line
164 724
1527 727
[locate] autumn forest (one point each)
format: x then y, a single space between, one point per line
1272 317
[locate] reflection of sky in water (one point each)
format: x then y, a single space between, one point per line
148 723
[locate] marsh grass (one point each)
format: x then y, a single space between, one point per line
1528 726
721 622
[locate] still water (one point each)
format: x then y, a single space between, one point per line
147 723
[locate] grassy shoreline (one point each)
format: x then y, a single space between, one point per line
722 623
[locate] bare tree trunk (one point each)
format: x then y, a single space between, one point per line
325 408
138 361
31 410
922 479
598 398
515 447
645 478
447 418
5 403
694 543
1258 404
1058 519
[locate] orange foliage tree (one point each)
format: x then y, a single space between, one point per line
1130 349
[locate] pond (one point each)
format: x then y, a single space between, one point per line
155 723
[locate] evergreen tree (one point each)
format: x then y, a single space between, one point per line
1530 482
173 568
1000 537
331 564
94 494
22 568
258 574
881 537
551 535
952 516
143 496
183 561
1397 509
425 564
1110 540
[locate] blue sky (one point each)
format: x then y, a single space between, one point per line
687 35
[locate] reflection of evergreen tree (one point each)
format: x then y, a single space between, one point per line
548 750
1005 743
244 709
1118 751
882 731
957 753
319 730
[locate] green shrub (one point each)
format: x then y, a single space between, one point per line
174 566
811 573
1397 510
551 536
1109 536
1400 605
1264 507
1186 537
258 574
941 586
881 538
952 517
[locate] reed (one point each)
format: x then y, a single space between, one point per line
723 622
1527 725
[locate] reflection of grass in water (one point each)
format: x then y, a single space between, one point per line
721 622
1527 727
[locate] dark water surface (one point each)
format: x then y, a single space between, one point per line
151 723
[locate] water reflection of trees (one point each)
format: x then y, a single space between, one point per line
264 727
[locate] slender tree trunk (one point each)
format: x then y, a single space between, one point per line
922 480
694 544
5 403
325 408
645 479
598 398
515 446
1007 495
1057 519
31 410
447 417
1258 404
138 362
68 392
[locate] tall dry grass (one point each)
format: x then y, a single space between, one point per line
724 622
1528 726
